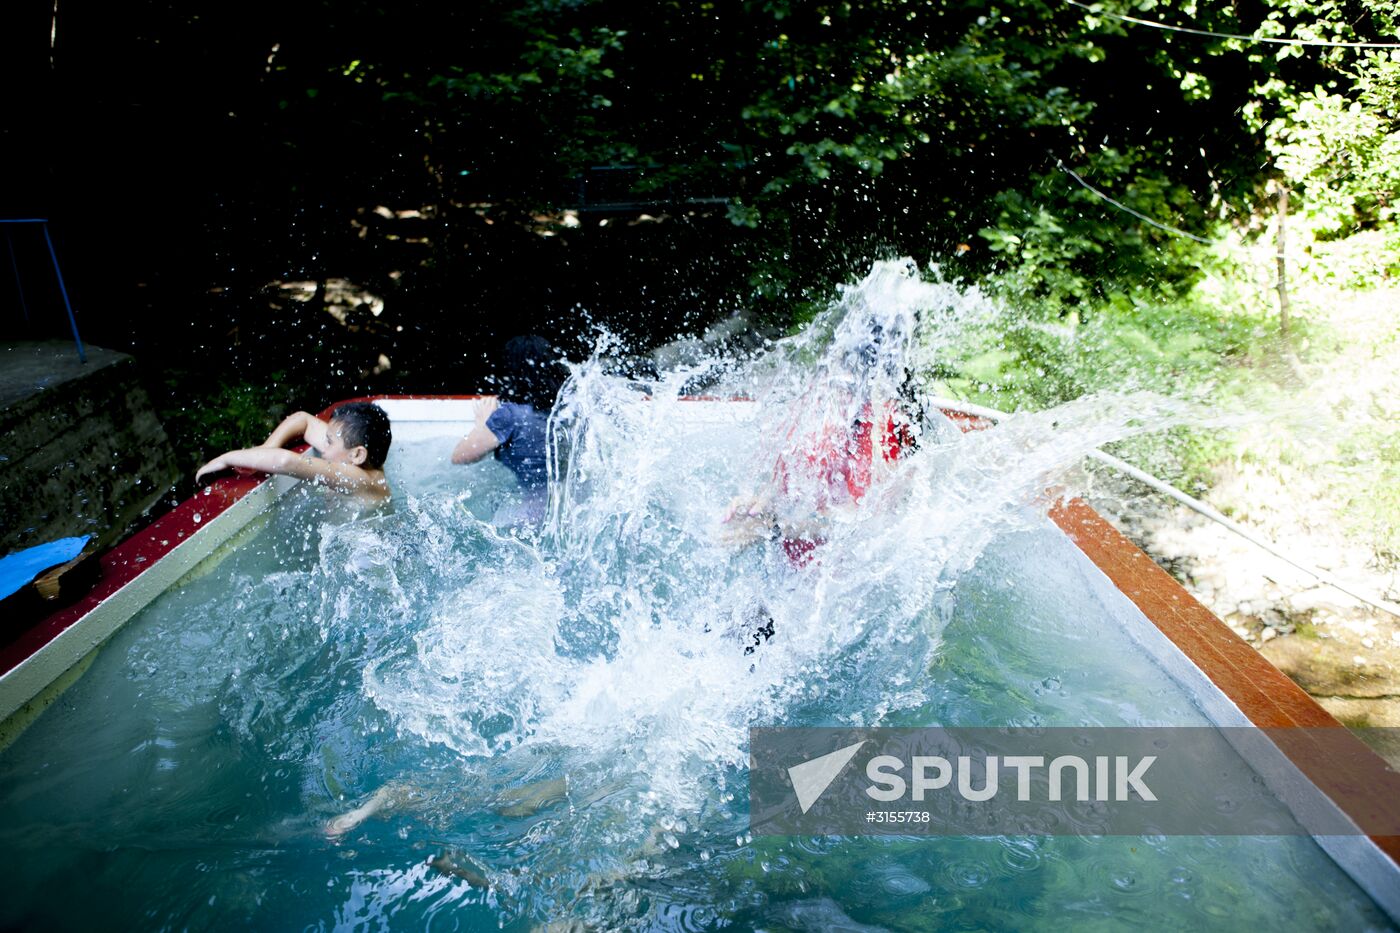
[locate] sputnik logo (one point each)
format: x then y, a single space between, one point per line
811 778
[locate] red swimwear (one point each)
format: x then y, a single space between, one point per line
839 469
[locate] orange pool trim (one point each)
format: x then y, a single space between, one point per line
1263 693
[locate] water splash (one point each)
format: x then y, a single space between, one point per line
629 647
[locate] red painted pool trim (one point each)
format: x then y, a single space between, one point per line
326 413
1262 692
130 559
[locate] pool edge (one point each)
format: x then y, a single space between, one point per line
138 569
132 574
1263 694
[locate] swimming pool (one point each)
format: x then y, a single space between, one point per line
564 721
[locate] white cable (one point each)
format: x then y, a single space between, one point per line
1167 489
1123 207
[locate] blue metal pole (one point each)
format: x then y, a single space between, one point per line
19 286
72 321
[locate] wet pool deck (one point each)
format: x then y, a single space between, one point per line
33 366
82 451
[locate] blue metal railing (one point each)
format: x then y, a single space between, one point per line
62 288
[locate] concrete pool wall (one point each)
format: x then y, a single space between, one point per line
83 452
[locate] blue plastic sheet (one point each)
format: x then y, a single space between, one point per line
19 568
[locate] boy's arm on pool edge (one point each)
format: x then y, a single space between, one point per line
298 425
343 477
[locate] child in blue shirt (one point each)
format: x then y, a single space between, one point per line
513 427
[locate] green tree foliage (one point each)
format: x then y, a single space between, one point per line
842 129
834 130
1337 144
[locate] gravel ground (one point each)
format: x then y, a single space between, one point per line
1309 485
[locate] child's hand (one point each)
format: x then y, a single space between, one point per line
221 464
217 465
744 507
484 409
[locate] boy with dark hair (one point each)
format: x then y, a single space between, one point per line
350 452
